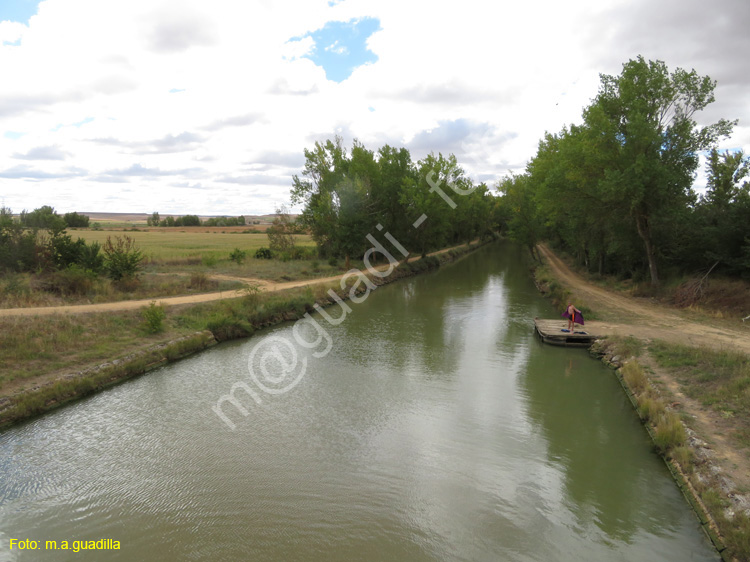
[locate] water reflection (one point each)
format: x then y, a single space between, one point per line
593 434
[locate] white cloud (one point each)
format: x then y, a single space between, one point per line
140 105
11 31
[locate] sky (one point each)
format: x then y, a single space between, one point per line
195 107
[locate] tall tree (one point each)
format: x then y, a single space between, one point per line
644 126
525 223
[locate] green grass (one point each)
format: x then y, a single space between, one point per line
174 244
718 379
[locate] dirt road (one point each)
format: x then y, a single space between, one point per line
188 299
645 319
166 301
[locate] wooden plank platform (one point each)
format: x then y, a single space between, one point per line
551 332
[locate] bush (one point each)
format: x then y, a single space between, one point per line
634 376
122 258
650 408
71 281
238 256
669 432
264 254
153 317
90 258
201 282
210 260
228 326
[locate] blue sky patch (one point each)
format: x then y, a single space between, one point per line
340 47
18 10
13 135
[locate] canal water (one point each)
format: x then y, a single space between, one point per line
428 424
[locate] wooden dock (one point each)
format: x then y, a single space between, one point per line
551 331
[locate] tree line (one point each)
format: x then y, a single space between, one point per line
193 220
349 197
616 191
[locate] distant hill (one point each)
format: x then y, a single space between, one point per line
142 217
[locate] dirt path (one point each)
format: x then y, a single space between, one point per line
648 320
187 299
645 319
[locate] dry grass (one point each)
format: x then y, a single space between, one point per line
25 290
38 345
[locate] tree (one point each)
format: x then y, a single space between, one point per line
643 124
74 220
281 233
335 194
723 214
44 217
153 220
525 224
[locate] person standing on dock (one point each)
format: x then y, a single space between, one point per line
573 315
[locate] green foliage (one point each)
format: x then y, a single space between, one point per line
238 256
615 191
348 198
263 254
669 432
90 257
44 217
122 258
281 234
189 220
74 220
153 317
635 377
225 221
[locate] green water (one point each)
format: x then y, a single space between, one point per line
435 427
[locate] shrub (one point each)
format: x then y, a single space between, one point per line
634 376
210 260
263 254
228 326
669 432
238 256
200 281
154 316
90 258
71 281
122 258
650 408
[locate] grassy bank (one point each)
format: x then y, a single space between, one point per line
45 353
716 379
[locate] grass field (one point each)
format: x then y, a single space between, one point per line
182 243
178 261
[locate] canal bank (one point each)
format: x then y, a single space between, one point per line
719 503
238 318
